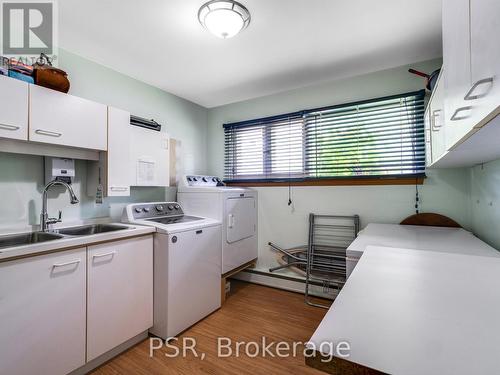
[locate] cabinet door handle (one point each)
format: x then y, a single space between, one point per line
56 265
49 133
119 188
433 120
111 253
455 116
469 95
9 127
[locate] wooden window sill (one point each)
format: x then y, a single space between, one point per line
334 182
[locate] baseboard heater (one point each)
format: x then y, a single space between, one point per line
289 283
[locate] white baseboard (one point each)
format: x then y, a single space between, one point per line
282 282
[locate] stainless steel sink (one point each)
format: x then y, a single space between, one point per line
87 230
27 239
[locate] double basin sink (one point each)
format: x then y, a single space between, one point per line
37 237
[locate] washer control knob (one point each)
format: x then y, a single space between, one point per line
195 179
189 179
170 207
159 208
177 207
146 209
138 210
214 179
204 179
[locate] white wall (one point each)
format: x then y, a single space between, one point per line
444 191
22 176
485 202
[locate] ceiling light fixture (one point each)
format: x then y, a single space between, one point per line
224 18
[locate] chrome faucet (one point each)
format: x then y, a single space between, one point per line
45 220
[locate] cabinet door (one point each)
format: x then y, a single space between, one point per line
484 92
42 314
119 174
437 121
119 293
149 156
456 65
66 120
428 136
14 113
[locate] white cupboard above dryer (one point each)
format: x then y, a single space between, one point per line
149 153
67 120
137 155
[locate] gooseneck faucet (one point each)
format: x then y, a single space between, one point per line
45 221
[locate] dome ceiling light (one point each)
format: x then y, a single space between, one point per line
224 18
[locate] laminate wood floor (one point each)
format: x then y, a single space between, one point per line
250 313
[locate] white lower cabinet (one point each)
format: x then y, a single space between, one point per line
119 293
42 314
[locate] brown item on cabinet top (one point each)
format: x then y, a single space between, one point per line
47 76
431 220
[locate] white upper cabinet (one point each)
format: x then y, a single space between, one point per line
484 92
471 67
66 120
435 120
118 156
456 66
14 112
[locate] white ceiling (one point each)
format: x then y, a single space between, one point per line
289 43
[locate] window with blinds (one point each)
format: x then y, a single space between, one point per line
381 137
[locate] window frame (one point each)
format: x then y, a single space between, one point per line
300 179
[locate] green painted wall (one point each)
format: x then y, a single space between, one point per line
22 176
485 202
444 191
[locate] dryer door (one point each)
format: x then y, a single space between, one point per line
240 218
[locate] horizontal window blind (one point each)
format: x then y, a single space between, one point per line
375 138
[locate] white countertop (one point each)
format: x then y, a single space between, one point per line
419 312
450 240
72 242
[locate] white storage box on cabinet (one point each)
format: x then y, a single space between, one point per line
14 113
66 120
119 293
42 314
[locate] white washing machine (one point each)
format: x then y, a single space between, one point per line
187 265
235 207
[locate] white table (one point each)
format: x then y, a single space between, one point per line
419 312
450 240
